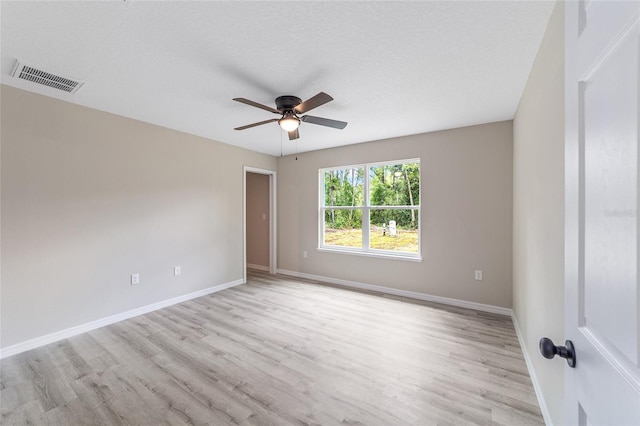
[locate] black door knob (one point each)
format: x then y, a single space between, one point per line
549 350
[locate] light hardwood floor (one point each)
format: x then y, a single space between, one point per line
279 351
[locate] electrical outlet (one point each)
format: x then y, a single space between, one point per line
479 275
135 279
304 254
177 270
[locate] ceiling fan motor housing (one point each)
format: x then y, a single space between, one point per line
287 103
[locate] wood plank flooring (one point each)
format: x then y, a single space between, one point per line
279 351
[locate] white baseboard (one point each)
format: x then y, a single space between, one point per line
83 328
404 293
532 373
257 267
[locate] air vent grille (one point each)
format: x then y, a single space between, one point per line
35 75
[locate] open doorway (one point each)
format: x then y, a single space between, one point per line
259 219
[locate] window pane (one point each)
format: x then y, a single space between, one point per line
344 187
394 230
343 228
395 184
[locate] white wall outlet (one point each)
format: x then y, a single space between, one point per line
304 254
264 216
135 279
479 275
177 270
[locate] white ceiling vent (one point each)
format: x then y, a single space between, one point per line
66 84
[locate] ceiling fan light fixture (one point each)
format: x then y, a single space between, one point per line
289 122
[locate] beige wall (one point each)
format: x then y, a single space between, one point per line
89 198
466 214
258 219
538 211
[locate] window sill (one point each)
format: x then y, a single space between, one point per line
356 252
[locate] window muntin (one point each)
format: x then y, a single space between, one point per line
359 205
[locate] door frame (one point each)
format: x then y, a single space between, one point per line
273 267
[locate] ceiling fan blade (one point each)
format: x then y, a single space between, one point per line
314 102
257 105
259 123
294 134
324 122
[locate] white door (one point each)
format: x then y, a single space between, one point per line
602 298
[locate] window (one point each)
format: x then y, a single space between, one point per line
371 209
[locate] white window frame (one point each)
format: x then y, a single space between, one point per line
366 208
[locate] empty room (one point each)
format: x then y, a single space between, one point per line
319 212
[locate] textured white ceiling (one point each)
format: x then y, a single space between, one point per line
393 68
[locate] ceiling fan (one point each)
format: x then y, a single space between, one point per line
289 107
